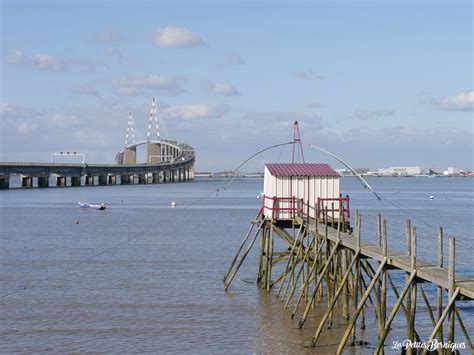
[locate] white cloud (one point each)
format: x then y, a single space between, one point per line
61 119
314 104
234 59
221 88
44 62
365 114
15 57
133 86
307 75
177 37
108 36
26 128
194 111
464 101
88 89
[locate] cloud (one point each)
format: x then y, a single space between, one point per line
43 62
234 58
88 89
314 104
25 128
9 112
62 120
464 101
133 86
307 75
279 122
365 115
220 88
177 37
108 36
194 111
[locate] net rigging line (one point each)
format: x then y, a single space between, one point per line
229 180
379 196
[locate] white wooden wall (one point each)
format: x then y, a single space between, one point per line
307 188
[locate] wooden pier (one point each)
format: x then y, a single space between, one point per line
312 262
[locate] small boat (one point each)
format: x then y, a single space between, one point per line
91 206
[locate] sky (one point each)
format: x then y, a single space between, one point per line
379 83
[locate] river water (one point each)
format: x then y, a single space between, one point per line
143 277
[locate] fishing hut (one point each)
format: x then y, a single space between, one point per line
297 189
310 256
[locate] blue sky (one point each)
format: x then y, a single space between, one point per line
380 83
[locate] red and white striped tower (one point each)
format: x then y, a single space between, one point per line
130 154
130 129
153 117
153 150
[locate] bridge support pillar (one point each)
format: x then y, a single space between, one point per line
26 181
174 175
89 180
142 178
124 179
156 178
75 181
112 179
43 181
60 181
102 180
4 182
164 175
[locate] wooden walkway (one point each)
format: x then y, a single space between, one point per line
426 271
325 260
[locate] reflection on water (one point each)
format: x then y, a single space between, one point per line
154 283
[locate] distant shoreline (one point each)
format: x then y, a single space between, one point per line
260 176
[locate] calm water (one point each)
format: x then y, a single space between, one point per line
143 277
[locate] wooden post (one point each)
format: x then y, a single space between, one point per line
383 298
226 285
407 274
379 229
440 289
313 294
451 283
357 277
268 281
348 331
260 257
443 316
240 249
290 258
412 310
336 296
345 289
394 312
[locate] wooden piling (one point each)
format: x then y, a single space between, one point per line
451 284
412 310
439 303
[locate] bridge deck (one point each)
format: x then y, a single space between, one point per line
425 271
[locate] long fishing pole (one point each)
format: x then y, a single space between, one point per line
229 180
360 178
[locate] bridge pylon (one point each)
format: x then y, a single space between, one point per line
130 153
153 150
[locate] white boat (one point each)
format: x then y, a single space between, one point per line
91 206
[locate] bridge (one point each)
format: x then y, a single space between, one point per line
166 161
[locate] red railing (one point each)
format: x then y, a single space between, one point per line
294 206
332 205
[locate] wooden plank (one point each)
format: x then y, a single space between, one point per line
425 271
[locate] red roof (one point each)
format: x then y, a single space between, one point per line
301 169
